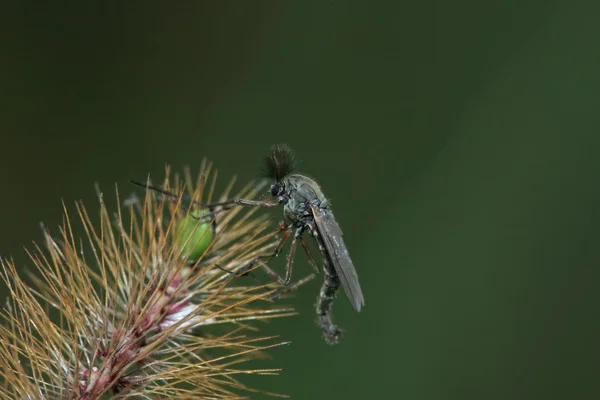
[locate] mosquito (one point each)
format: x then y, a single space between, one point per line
306 209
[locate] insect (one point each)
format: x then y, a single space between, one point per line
306 209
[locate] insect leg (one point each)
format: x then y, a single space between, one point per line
264 259
275 253
293 287
311 259
290 263
167 193
283 226
275 296
288 272
292 253
226 205
212 214
184 199
245 202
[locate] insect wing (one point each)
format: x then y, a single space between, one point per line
331 234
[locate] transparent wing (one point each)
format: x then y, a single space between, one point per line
331 234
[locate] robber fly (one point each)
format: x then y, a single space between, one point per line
306 209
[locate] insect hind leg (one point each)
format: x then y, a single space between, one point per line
262 260
311 259
245 271
290 288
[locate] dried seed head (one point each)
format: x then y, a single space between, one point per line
132 308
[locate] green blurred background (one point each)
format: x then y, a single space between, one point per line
458 141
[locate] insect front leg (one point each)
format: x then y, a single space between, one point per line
245 202
184 199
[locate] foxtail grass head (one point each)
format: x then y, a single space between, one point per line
140 305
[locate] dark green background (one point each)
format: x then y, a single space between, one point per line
458 141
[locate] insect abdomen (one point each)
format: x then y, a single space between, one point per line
327 293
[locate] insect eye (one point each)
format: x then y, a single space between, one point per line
276 189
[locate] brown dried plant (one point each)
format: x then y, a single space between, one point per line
124 312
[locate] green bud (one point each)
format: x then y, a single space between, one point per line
194 235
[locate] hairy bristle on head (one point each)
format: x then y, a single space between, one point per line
280 162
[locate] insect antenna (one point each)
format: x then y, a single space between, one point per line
279 163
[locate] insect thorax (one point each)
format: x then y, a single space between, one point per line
300 192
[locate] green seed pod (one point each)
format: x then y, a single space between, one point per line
194 235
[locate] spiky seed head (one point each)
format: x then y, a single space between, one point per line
129 309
